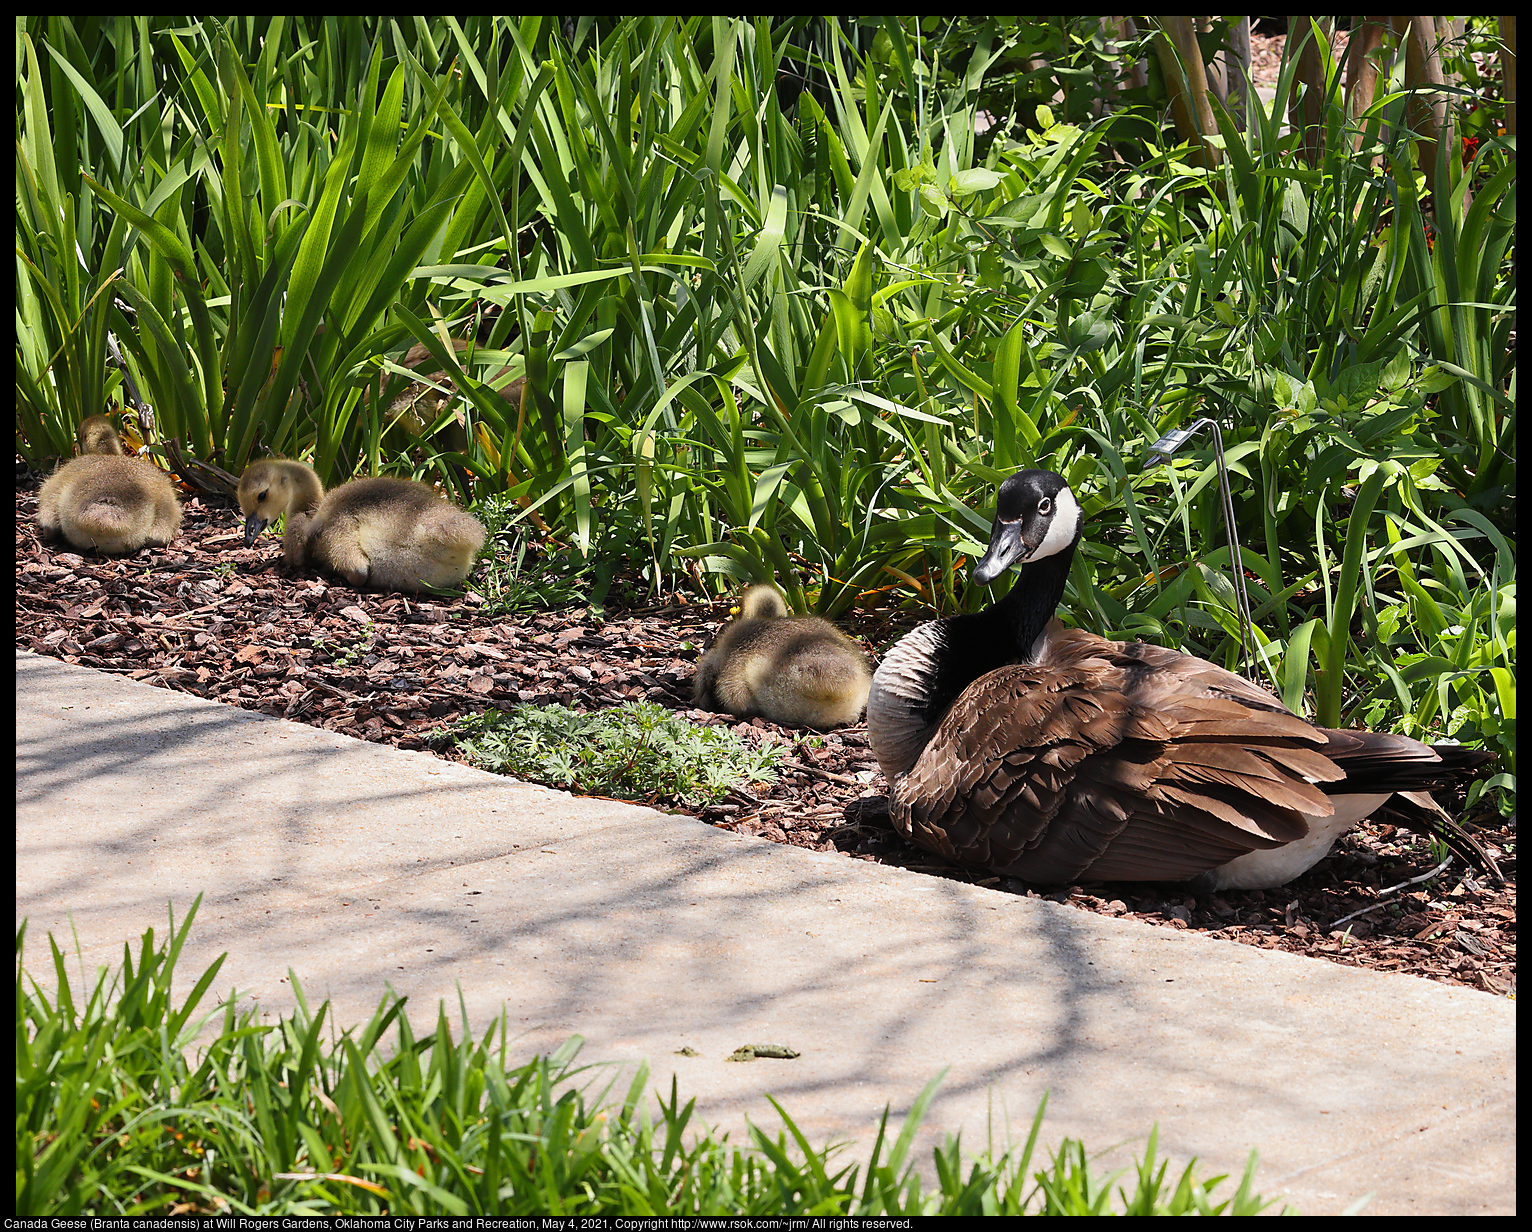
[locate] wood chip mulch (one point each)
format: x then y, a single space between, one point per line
209 617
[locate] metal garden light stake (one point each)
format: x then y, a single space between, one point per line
1160 452
130 392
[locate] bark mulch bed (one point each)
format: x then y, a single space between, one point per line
208 616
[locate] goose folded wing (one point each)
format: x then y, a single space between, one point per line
1049 777
1232 781
1174 670
1030 773
1268 756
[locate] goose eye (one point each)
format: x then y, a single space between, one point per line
1044 505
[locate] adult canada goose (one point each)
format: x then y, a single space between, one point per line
1053 755
381 534
799 671
105 501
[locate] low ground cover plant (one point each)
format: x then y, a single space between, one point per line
637 751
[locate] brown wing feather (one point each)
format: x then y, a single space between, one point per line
1371 758
1419 811
1102 760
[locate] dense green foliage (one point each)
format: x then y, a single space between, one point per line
126 1106
788 305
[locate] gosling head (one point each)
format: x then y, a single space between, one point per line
267 490
1036 516
762 602
98 435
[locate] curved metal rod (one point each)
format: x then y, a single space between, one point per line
1160 452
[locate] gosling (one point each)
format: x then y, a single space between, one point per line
378 534
105 501
799 672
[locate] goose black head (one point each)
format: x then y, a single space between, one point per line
1036 516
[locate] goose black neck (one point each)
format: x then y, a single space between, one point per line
975 645
1032 600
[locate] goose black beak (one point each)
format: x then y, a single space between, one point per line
254 525
1006 548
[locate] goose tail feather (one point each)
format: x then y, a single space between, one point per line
1419 812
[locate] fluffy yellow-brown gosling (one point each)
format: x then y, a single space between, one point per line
378 534
105 502
799 671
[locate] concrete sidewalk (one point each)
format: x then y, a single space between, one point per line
359 866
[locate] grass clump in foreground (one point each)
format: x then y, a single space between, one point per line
636 751
117 1114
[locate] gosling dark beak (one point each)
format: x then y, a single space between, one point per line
254 525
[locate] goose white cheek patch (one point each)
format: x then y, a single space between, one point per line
1063 529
